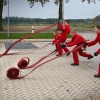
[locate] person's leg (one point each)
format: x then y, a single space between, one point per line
75 57
56 47
66 49
98 75
59 48
84 54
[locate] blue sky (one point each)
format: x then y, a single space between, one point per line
75 9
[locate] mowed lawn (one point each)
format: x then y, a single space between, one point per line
21 35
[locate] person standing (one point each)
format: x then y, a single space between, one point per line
65 30
96 40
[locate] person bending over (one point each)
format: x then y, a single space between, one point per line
80 49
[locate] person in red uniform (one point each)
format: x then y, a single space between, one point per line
77 40
56 38
96 40
65 30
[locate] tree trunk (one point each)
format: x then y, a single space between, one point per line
60 10
1 9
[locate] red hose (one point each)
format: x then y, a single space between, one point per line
25 37
19 77
28 51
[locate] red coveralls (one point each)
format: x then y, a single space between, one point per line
98 51
78 40
95 41
63 36
56 38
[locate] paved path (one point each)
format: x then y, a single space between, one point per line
55 80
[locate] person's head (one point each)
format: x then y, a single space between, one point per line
66 21
55 32
73 33
97 29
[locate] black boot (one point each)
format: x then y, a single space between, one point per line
58 55
90 57
74 64
97 76
68 53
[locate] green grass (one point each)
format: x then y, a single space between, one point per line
20 35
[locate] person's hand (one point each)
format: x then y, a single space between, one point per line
63 45
96 54
55 31
60 21
85 44
51 43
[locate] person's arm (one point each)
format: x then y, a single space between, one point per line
92 42
57 36
70 41
61 27
74 42
99 50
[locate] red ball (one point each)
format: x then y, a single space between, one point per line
13 73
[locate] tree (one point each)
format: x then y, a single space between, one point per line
96 20
1 9
2 3
57 2
32 2
60 3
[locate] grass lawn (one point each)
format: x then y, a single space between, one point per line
20 35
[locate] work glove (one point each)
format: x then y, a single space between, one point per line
85 44
96 54
63 45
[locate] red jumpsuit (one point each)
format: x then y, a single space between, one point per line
98 51
56 38
97 40
63 36
78 40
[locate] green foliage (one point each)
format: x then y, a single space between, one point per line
58 1
4 2
89 1
31 2
30 21
96 20
22 20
